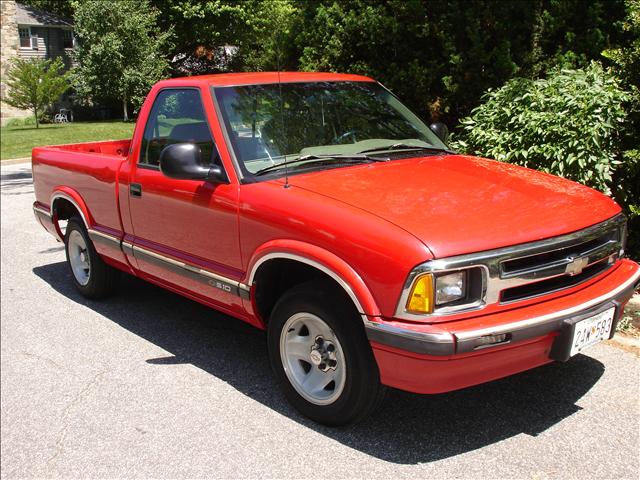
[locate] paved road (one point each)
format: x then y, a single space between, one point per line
148 384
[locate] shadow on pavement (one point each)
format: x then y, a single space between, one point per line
16 180
408 429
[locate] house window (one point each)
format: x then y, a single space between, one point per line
67 39
25 37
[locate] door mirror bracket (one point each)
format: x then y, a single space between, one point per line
183 161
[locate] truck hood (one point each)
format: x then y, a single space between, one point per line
458 204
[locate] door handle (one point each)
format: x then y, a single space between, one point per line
135 189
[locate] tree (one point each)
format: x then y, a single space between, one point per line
230 35
121 50
35 83
441 56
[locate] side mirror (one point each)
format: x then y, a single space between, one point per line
183 161
441 130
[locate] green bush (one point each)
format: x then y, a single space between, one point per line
568 124
574 123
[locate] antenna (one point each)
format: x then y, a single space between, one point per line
284 133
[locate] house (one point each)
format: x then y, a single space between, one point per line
31 33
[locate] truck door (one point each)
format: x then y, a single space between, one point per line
185 231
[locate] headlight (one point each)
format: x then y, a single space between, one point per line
447 291
451 287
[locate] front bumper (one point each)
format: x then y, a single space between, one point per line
436 358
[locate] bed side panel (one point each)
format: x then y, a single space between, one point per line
92 176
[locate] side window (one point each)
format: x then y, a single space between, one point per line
177 116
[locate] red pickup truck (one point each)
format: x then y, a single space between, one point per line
318 207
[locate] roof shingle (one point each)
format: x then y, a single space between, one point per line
27 15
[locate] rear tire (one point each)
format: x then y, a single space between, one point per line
92 277
321 357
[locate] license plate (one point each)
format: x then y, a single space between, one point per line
592 330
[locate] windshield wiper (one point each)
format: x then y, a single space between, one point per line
355 158
406 146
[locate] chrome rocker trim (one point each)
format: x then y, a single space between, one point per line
193 272
103 238
41 211
454 343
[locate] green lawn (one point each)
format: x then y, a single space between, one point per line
17 142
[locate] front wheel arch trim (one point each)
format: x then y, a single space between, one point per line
361 298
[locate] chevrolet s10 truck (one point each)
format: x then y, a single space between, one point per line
319 208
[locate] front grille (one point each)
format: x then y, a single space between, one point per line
545 259
561 264
552 284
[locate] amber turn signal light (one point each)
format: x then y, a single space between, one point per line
421 295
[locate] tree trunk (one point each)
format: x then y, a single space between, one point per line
536 53
35 113
124 109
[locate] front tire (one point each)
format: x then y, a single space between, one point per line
321 357
92 277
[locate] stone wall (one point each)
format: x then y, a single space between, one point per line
9 43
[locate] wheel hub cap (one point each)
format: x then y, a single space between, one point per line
312 358
316 357
323 354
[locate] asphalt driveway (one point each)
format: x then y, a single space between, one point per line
149 384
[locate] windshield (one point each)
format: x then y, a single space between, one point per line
316 118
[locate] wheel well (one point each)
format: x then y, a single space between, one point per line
63 209
276 276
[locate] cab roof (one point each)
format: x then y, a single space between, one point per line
256 78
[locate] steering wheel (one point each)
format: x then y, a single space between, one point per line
340 138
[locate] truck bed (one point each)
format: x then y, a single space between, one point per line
92 169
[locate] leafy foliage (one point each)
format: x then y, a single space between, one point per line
441 56
567 124
120 51
35 83
438 56
627 58
626 63
222 35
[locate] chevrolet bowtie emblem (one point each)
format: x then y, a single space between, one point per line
576 265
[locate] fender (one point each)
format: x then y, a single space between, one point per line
76 200
323 260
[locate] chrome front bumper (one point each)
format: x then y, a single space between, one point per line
445 343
